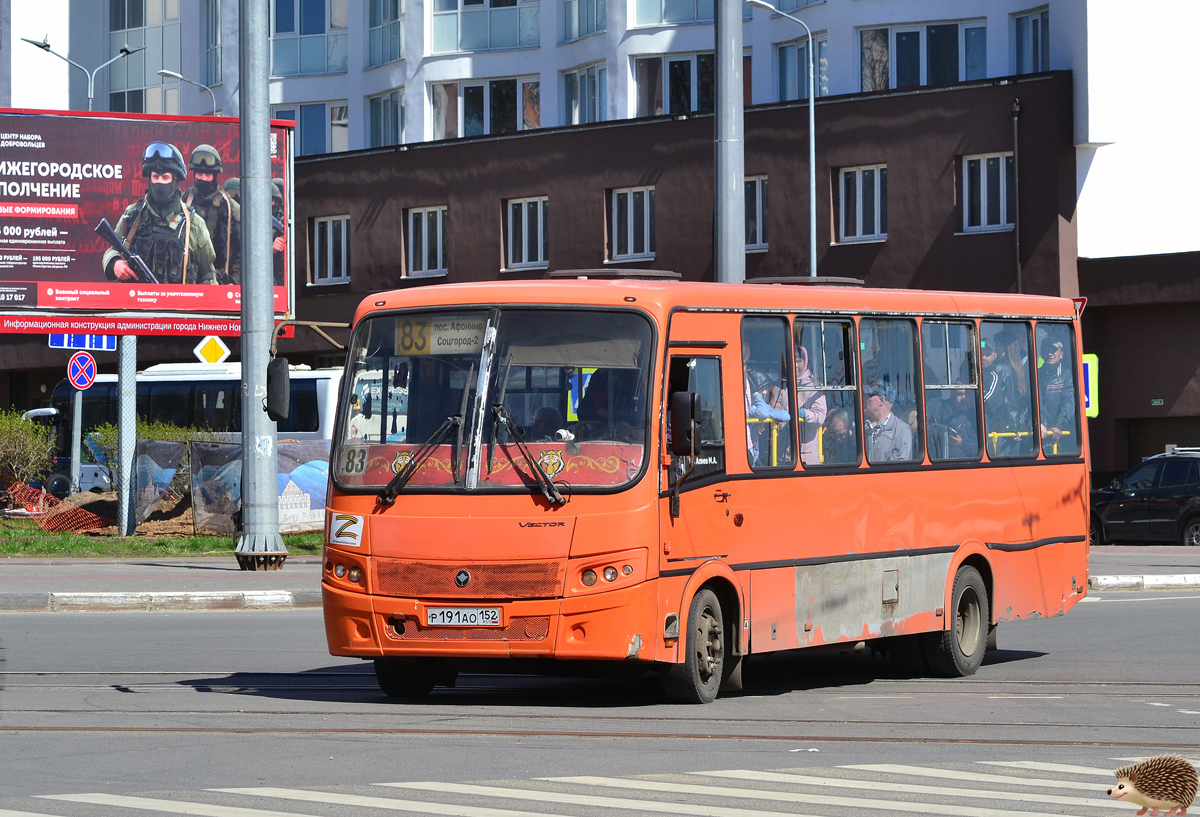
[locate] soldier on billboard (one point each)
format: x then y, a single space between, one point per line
160 229
279 245
222 215
233 187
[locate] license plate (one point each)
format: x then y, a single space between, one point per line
462 616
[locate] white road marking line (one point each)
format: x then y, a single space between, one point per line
796 797
7 813
168 806
872 697
1154 703
660 806
1047 767
1149 598
909 788
390 803
977 777
1187 712
1090 598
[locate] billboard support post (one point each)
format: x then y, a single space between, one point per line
259 544
76 432
126 432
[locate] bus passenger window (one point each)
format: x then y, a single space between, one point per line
951 390
825 390
766 379
1007 399
214 405
890 411
171 403
1058 401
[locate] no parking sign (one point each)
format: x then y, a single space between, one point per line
81 370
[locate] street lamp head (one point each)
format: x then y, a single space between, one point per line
126 50
44 44
170 74
762 4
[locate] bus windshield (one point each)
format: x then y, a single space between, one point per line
572 384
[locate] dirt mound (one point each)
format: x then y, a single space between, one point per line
173 517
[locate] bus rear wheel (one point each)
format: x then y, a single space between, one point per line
698 677
959 650
399 678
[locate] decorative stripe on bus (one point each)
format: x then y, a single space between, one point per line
819 560
1036 543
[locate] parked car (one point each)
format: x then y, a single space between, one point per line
1157 500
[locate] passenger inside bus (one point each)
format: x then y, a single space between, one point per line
547 421
810 409
889 439
608 409
838 444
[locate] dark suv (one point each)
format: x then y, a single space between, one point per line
1158 500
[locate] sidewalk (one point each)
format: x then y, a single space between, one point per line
95 585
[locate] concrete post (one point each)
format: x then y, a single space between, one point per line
730 205
259 544
124 474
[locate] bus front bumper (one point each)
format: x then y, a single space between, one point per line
616 625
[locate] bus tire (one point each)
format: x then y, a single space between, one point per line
958 651
58 485
399 678
697 679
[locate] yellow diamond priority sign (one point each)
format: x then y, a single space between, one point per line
212 350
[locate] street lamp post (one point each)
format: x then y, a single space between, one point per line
812 137
91 75
182 78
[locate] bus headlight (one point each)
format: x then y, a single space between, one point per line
618 570
588 577
355 574
339 570
610 574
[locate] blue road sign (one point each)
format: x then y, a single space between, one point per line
81 370
96 343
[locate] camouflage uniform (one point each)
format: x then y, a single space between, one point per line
222 215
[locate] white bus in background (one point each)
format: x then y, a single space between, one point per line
203 396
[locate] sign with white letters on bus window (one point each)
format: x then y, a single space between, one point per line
450 336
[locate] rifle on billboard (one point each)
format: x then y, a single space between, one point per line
135 262
277 225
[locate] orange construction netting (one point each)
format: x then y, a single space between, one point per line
49 512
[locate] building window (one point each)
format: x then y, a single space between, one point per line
387 119
485 25
989 192
528 240
792 5
320 127
794 65
586 95
935 54
484 107
1033 42
583 17
133 82
308 37
684 82
631 229
331 250
385 33
427 241
212 41
667 12
863 205
756 213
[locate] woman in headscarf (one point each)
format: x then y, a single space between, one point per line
810 411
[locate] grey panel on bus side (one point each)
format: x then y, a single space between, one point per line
839 598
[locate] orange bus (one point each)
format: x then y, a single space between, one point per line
677 475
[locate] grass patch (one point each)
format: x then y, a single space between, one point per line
22 537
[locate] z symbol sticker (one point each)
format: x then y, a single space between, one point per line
345 529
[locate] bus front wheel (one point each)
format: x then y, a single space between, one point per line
958 651
697 678
406 679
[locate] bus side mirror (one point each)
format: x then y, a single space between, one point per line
685 422
279 389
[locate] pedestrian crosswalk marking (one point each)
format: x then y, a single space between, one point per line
976 777
1047 767
361 801
7 813
660 806
797 797
910 788
169 806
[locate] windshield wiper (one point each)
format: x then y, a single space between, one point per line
388 495
496 426
504 417
462 426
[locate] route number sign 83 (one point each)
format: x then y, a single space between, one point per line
412 336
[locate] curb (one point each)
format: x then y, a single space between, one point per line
1154 581
158 601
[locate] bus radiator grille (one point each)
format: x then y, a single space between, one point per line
422 580
520 628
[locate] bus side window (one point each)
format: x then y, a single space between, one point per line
303 416
171 403
1007 397
951 390
1058 398
892 427
703 376
214 405
767 382
825 389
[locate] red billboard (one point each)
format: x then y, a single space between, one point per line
61 174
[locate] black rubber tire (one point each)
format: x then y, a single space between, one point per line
58 485
697 679
1095 532
399 678
1191 532
958 651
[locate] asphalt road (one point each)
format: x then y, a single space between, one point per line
167 706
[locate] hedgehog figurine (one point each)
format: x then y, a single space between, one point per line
1166 782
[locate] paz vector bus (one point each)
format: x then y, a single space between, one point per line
673 476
